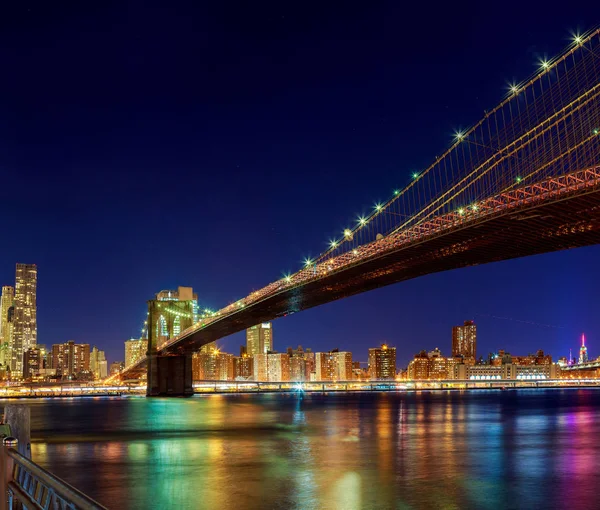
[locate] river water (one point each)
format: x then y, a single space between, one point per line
478 449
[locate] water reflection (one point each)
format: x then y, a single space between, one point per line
488 449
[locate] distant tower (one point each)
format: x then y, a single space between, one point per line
259 339
464 340
583 355
25 315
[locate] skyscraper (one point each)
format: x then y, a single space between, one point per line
464 340
259 339
6 326
583 354
382 362
25 315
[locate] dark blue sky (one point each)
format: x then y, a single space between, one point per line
146 145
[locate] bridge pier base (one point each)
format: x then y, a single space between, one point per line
169 376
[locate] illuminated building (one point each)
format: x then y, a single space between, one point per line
6 325
302 363
278 367
583 354
98 363
135 350
418 368
464 340
116 367
382 362
343 366
511 371
33 361
325 366
212 366
24 334
70 359
438 368
333 366
259 339
259 370
243 367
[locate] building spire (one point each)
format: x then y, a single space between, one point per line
583 339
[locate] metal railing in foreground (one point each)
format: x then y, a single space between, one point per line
28 486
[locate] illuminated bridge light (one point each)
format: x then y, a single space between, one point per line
544 64
577 39
415 175
355 251
514 88
396 192
333 244
378 207
307 262
459 136
288 278
595 131
362 221
461 211
518 179
348 233
474 207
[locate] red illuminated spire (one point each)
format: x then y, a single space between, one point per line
582 339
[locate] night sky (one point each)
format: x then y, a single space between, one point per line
146 145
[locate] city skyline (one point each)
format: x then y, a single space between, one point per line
335 136
254 334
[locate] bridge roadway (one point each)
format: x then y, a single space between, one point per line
556 214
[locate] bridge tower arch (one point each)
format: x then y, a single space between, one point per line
168 375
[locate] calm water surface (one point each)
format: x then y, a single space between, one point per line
480 449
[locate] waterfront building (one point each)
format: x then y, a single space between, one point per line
464 340
510 371
6 323
98 363
583 354
243 367
135 350
71 359
344 366
302 363
260 367
278 367
333 366
116 367
325 366
418 368
212 366
33 361
24 335
382 362
259 339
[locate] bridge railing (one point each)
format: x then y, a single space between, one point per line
27 485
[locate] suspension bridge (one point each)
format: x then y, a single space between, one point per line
523 180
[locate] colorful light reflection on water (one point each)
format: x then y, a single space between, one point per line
479 449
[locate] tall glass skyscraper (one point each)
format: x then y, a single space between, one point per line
25 315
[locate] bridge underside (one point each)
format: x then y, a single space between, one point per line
569 222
